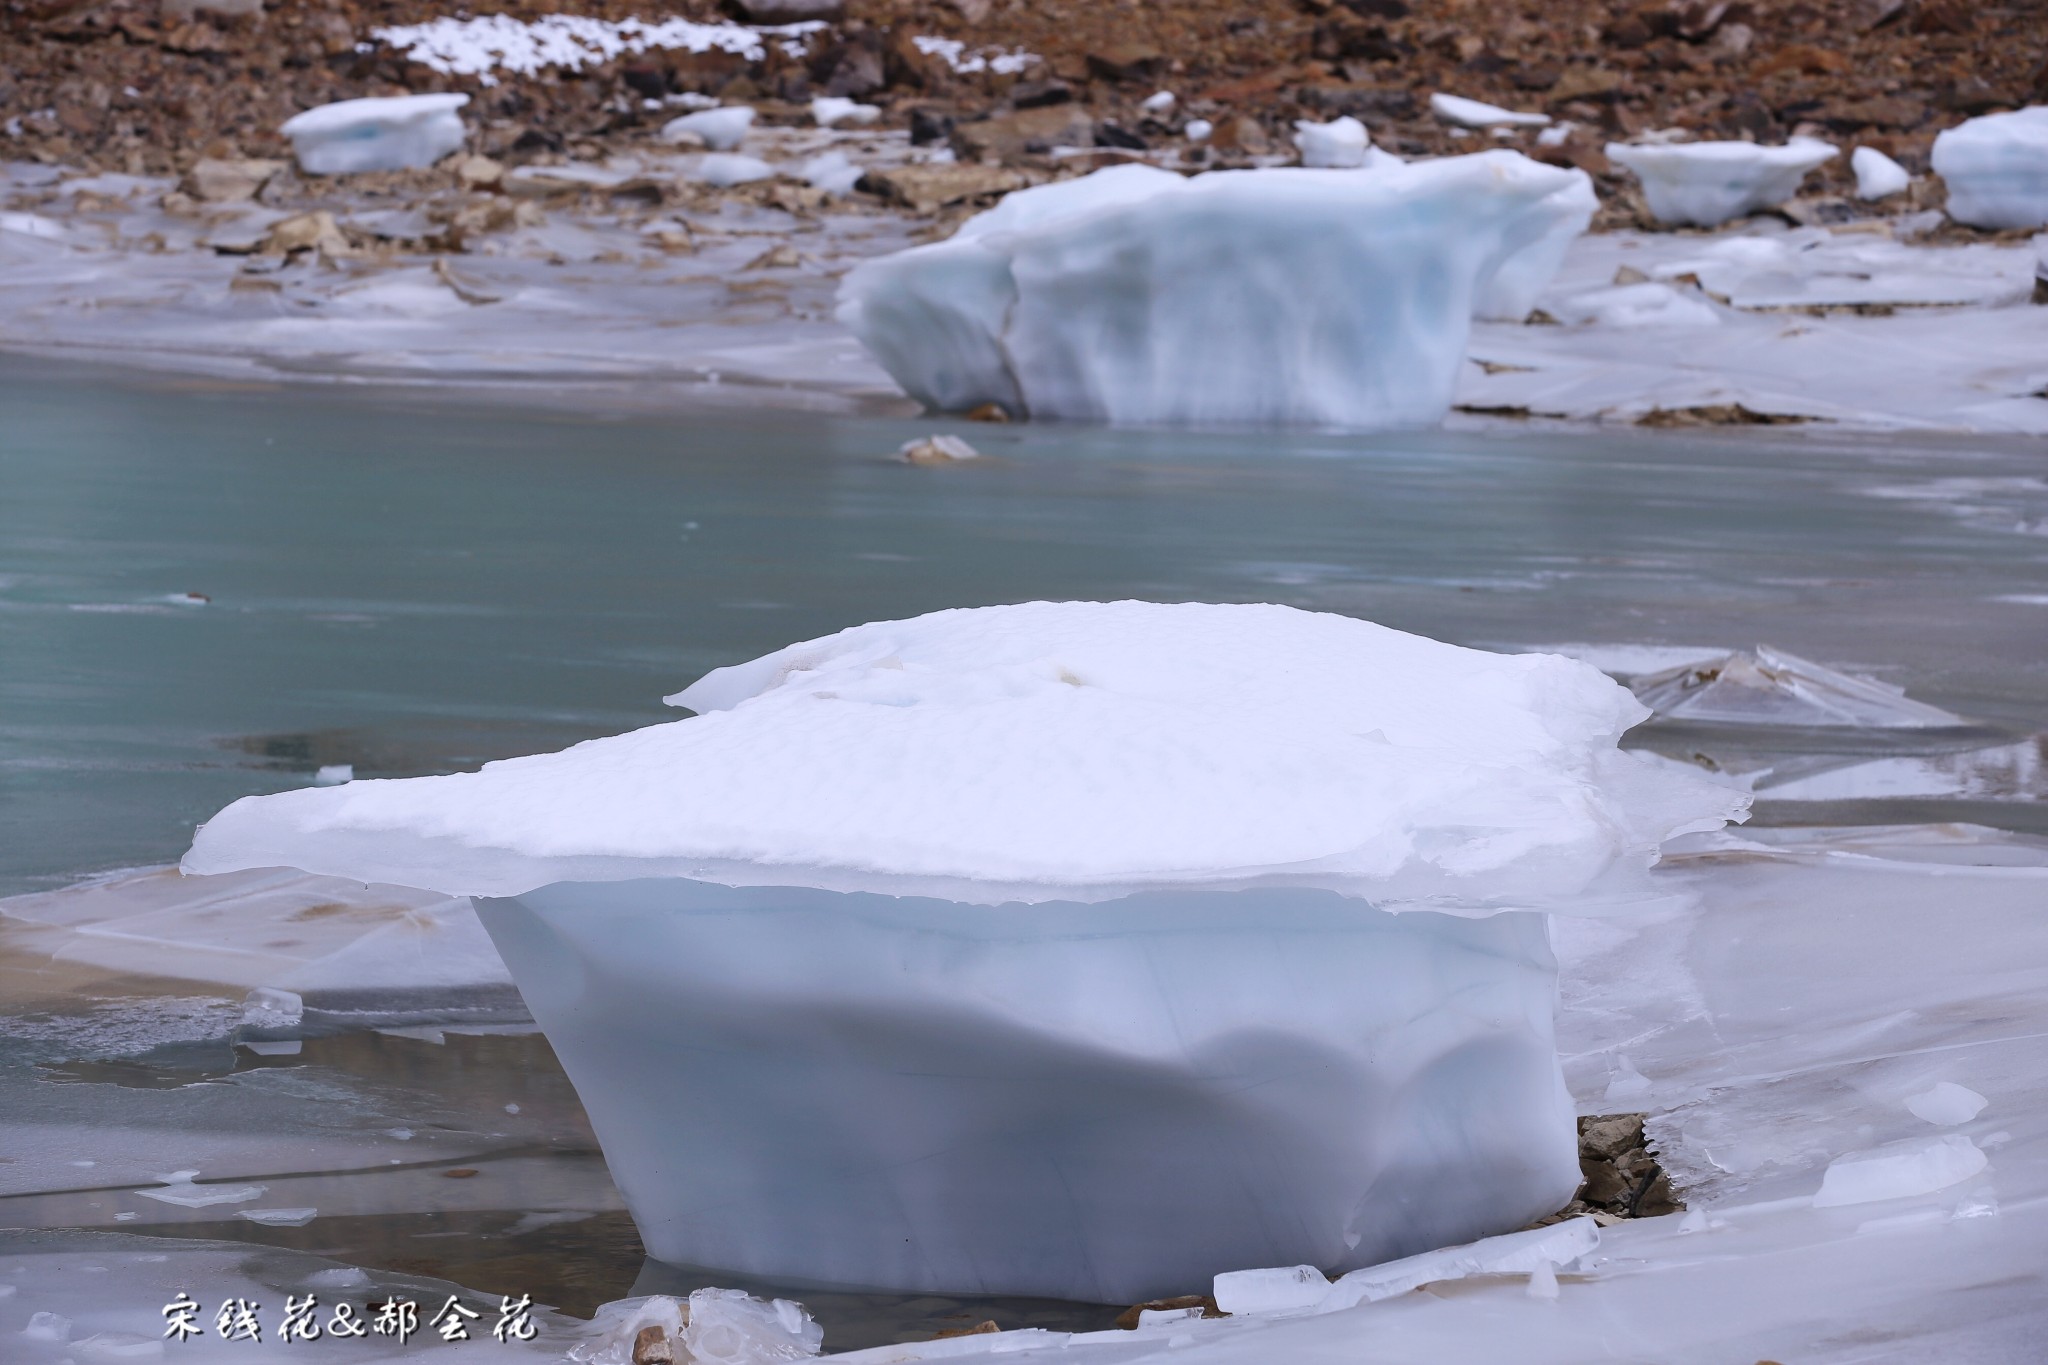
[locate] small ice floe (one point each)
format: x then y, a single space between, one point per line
1369 282
279 1218
1340 144
720 130
829 111
187 599
178 1189
1158 105
1947 1104
1198 130
1996 169
1703 184
937 450
385 133
1767 686
1877 175
334 774
1460 112
726 169
1898 1170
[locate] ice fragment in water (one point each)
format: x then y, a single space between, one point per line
1270 1291
1899 1169
1767 686
334 774
937 450
179 1189
730 1327
279 1218
1877 175
386 133
720 130
1947 1104
269 1007
1996 169
1703 184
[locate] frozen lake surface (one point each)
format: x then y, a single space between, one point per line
405 584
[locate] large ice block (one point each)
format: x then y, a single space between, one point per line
1276 296
1102 1102
1996 169
386 133
1707 183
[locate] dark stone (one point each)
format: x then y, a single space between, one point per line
1109 135
648 82
929 126
1040 94
1378 9
1125 62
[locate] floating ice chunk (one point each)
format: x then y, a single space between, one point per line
279 1218
1705 183
1636 305
829 111
936 450
1264 297
387 133
1767 686
1898 1170
1510 1254
731 1327
269 1007
1279 1290
1114 746
179 1189
1160 103
1340 144
1996 169
1877 175
1947 1104
1511 294
1463 113
726 169
1198 130
832 172
334 774
720 129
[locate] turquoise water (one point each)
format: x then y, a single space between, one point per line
410 583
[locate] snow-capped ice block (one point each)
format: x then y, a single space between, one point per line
386 133
1266 297
1702 184
1076 949
1996 169
1106 1102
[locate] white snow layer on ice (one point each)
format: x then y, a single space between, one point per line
1996 169
498 42
384 133
1050 749
1276 296
1707 183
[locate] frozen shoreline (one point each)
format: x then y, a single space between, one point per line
600 291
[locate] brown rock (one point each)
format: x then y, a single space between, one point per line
927 189
1587 83
479 173
317 231
1028 131
1128 1319
1123 62
1610 1136
1805 59
227 182
651 1346
983 1328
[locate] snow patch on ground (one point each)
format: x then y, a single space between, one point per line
484 44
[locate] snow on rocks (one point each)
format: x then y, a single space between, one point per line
1702 184
829 111
385 133
1460 112
1280 296
485 44
1332 752
1996 169
1342 143
1898 1170
720 129
1877 175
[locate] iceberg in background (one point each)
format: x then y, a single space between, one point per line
1073 949
1282 296
1704 184
387 133
1996 169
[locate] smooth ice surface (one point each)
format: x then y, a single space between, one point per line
1947 1104
1104 1102
1277 296
1766 686
384 133
1048 749
1469 113
1899 1169
721 129
1340 143
1511 294
1996 169
1706 183
1877 175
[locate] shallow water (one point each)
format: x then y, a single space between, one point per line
412 583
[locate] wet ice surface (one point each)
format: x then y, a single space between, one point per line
1816 972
